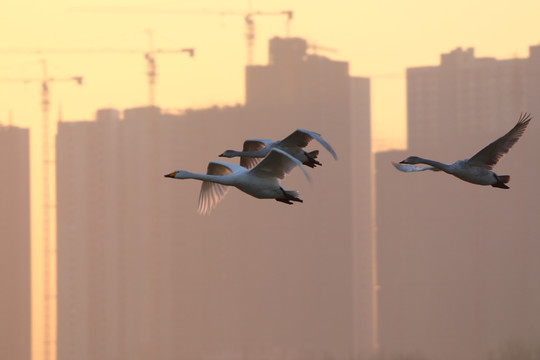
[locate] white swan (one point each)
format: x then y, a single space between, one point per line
293 144
262 181
477 169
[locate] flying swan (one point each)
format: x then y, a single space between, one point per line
262 181
478 168
294 144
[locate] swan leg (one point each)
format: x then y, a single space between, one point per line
289 197
311 156
501 181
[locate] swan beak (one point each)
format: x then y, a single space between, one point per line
221 155
171 175
403 162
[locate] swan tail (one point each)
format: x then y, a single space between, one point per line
311 156
289 196
502 180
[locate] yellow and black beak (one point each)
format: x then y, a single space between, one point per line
171 175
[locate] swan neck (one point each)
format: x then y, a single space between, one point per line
237 153
436 164
206 177
258 153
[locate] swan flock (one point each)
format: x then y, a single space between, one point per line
263 163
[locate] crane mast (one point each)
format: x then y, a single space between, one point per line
250 29
49 247
48 272
151 71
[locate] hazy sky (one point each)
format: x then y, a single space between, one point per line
379 39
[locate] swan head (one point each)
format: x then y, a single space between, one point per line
179 174
228 154
411 160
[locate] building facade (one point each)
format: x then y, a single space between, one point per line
465 96
15 305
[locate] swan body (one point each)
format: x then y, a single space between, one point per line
294 144
262 181
478 168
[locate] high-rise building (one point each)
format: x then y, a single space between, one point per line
88 215
457 262
142 275
464 96
15 306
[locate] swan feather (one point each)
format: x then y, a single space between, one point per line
277 164
211 192
492 153
253 145
301 138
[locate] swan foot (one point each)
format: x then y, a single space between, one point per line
285 201
311 156
501 181
289 197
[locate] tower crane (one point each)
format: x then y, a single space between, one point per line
248 18
250 29
149 56
49 259
315 48
151 64
249 22
49 249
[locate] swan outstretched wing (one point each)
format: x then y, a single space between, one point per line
491 154
256 144
277 164
212 193
253 145
412 168
301 138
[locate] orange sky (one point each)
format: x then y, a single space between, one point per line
379 39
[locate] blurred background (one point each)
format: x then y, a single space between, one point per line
103 258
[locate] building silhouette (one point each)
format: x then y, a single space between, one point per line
142 275
467 96
458 262
15 331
